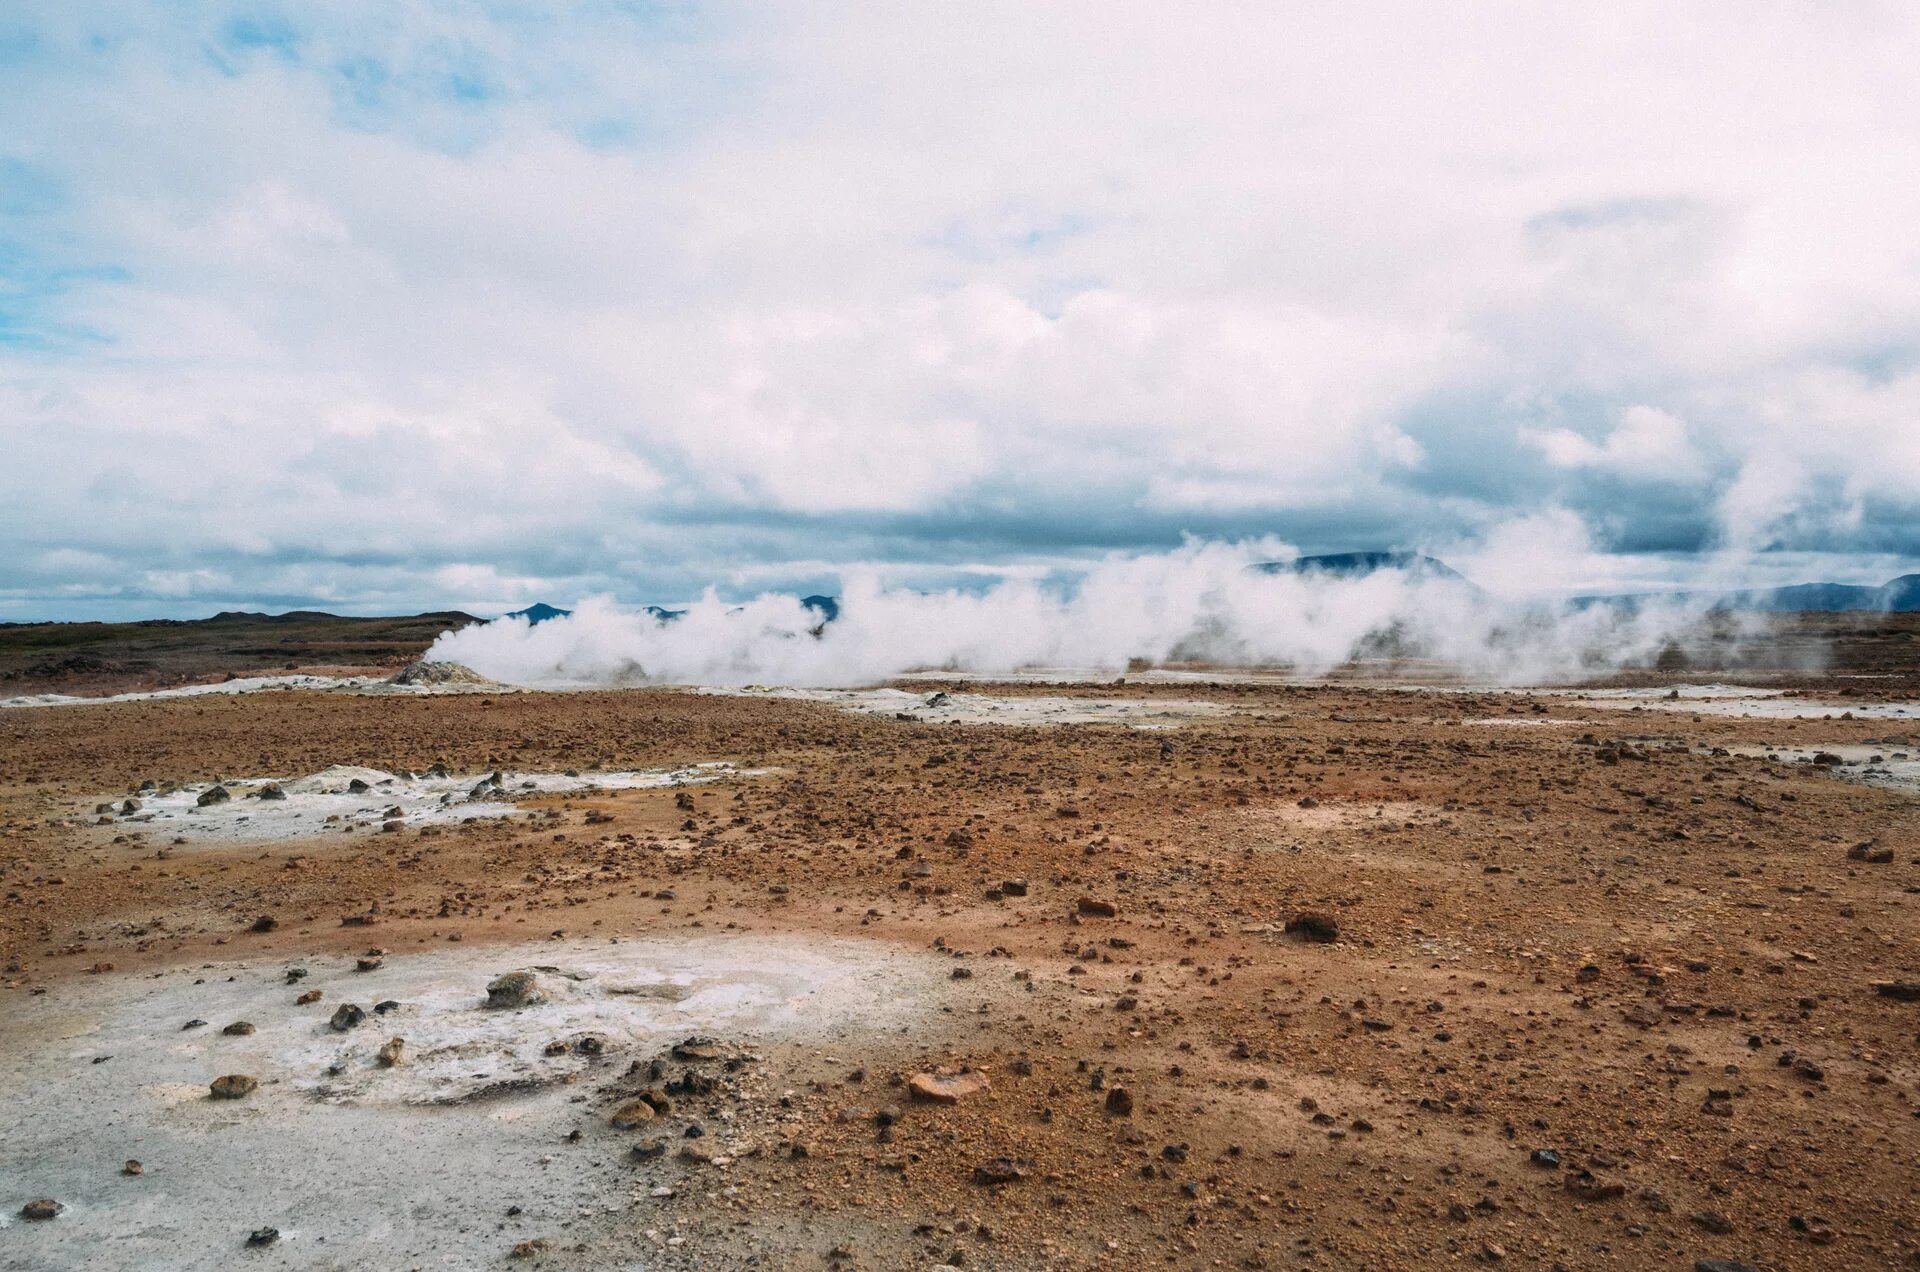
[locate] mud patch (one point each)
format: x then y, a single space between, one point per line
978 708
347 798
1330 815
1894 767
1735 700
417 1165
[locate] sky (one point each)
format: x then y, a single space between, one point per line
384 305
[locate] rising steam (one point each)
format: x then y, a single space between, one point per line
1198 604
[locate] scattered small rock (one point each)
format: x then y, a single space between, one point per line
513 990
998 1170
1314 925
944 1086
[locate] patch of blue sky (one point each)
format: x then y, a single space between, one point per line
30 293
28 189
244 40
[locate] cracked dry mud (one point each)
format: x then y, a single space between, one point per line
1616 992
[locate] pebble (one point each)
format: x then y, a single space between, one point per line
513 990
233 1086
346 1016
998 1170
1314 925
946 1087
44 1208
631 1114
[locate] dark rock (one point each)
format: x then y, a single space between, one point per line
998 1170
514 989
262 1237
233 1086
697 1048
1313 925
45 1208
213 795
346 1016
1588 1187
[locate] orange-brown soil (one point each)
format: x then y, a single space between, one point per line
1650 960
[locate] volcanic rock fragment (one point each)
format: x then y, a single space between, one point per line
946 1086
514 990
1314 925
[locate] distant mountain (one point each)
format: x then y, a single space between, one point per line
540 612
1354 565
237 617
827 607
1896 596
1902 595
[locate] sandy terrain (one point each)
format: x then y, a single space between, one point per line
1603 991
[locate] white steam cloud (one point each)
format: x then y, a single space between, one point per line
1200 603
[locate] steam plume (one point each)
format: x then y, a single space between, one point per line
1199 603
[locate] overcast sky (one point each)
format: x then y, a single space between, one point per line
384 306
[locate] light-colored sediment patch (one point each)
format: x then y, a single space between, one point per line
371 685
978 708
359 1165
1341 814
1734 700
347 798
1891 767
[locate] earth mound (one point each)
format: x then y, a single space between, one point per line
438 673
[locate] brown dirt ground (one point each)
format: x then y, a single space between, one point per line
1538 950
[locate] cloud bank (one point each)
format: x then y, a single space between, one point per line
391 306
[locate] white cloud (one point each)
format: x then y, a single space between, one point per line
1647 443
560 295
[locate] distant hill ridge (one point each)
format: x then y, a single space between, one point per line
1353 565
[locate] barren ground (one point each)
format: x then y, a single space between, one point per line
1624 943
